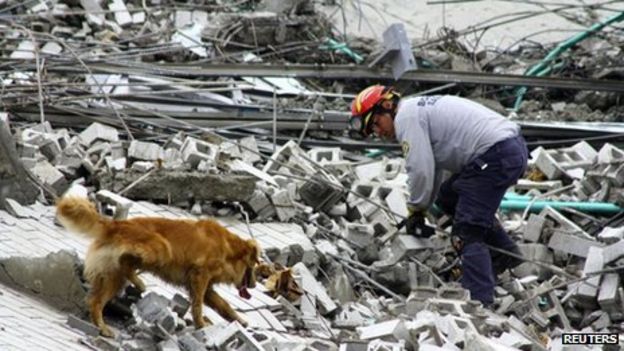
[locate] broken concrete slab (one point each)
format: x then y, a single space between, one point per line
55 278
14 181
174 186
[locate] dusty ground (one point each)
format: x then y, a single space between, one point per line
423 19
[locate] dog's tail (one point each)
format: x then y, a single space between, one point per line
80 215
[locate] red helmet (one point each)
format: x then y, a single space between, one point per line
365 103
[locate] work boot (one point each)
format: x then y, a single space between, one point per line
498 238
477 276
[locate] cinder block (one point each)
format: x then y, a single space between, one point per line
324 156
585 292
283 204
321 192
608 297
536 252
610 154
571 244
98 131
122 16
534 228
408 245
142 166
291 154
122 205
393 330
180 305
311 286
361 234
188 343
51 176
116 165
194 151
145 151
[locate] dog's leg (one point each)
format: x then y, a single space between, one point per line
198 284
104 288
136 281
222 307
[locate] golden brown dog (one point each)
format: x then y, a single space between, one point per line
194 254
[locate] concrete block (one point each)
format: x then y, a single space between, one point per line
608 297
249 150
585 292
393 330
534 228
51 176
321 192
142 166
172 159
283 204
84 326
361 234
116 165
145 151
455 328
122 205
311 286
153 308
324 156
291 154
98 131
615 175
408 245
94 12
571 244
122 16
180 305
194 151
168 345
369 171
610 235
453 293
610 154
50 148
537 252
562 223
396 200
189 343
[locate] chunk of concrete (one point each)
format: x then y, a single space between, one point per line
145 151
98 131
310 285
571 244
14 182
174 186
54 278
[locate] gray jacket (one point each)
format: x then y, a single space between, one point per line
444 132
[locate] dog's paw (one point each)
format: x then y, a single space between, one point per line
107 332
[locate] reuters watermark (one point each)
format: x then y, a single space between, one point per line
590 338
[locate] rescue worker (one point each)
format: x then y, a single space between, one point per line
483 151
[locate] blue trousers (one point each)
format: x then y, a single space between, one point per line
472 198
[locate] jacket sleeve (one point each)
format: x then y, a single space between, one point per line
419 163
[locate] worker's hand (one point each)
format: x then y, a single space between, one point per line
415 225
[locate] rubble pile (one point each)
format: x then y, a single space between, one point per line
123 58
369 286
113 100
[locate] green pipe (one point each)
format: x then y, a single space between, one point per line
540 69
331 44
536 206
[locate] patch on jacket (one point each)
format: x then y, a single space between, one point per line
405 148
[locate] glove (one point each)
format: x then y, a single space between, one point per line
415 225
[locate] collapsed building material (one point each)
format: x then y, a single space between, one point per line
14 182
174 186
